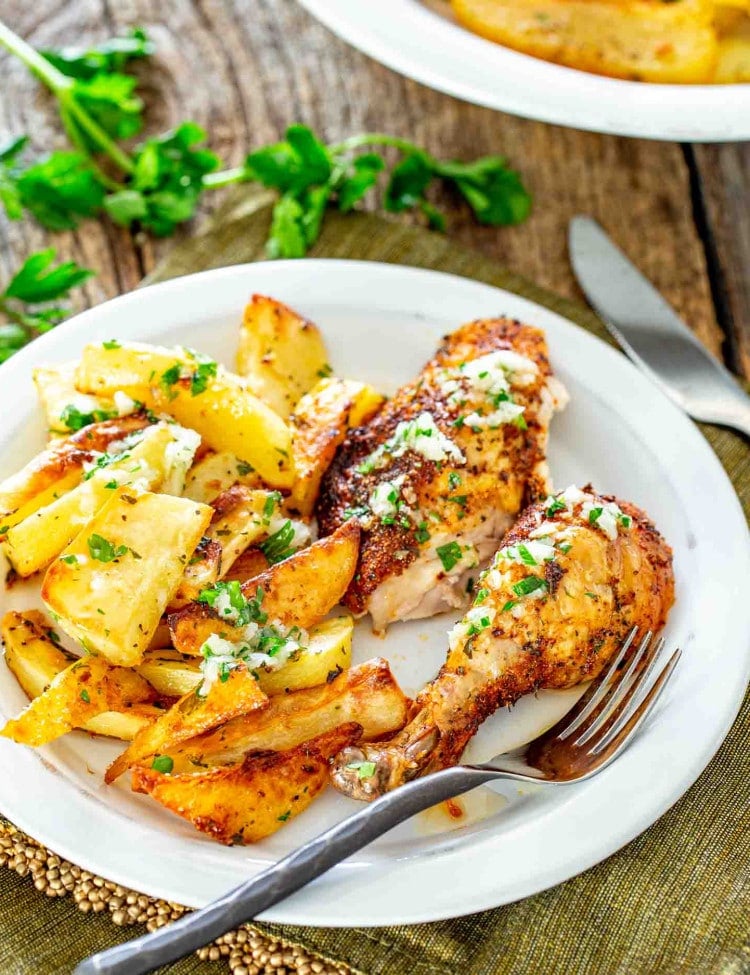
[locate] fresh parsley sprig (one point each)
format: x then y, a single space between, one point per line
30 302
158 185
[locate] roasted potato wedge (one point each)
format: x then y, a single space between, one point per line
281 355
246 802
319 424
215 473
34 542
646 40
113 582
299 591
198 394
201 572
83 690
367 694
35 660
65 408
59 468
190 716
734 55
328 653
248 566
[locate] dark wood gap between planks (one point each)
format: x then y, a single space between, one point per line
716 275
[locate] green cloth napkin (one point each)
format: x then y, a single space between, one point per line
675 901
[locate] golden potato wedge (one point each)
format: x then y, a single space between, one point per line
59 468
248 566
113 582
201 572
367 694
35 660
734 56
35 541
190 716
646 40
281 355
246 802
31 654
328 652
66 409
84 689
299 591
125 724
170 672
319 424
215 473
199 395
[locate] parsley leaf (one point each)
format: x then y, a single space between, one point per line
111 55
111 101
365 770
37 281
199 380
166 183
103 550
58 189
528 585
10 196
450 555
72 418
280 545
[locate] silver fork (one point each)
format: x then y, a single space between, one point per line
587 739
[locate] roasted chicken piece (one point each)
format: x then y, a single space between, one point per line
572 578
440 473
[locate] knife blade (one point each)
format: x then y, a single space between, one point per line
651 333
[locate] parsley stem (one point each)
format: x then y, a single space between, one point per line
371 139
75 137
239 174
47 73
63 89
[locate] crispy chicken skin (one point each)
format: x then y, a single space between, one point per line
464 491
571 579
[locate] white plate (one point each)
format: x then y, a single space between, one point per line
421 41
381 323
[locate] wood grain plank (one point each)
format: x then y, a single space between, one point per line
723 182
247 68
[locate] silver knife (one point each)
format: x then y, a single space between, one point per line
650 331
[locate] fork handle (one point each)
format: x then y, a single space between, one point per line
294 871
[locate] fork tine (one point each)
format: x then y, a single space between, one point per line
630 681
632 718
598 690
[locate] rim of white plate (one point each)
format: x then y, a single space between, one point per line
591 820
416 41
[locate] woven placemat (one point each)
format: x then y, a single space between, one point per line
675 901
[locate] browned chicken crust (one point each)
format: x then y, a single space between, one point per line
584 602
475 501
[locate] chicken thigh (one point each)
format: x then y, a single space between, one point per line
571 579
440 473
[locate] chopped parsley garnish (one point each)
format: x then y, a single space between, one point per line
199 380
565 547
480 597
103 550
111 485
450 555
365 770
162 763
358 511
556 505
270 506
103 461
325 371
528 585
85 696
74 419
421 532
280 545
69 559
454 479
246 610
111 344
476 627
169 378
526 557
284 816
594 515
243 468
625 520
509 605
4 529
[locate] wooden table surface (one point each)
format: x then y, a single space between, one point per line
245 69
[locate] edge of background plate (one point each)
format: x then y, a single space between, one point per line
500 78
